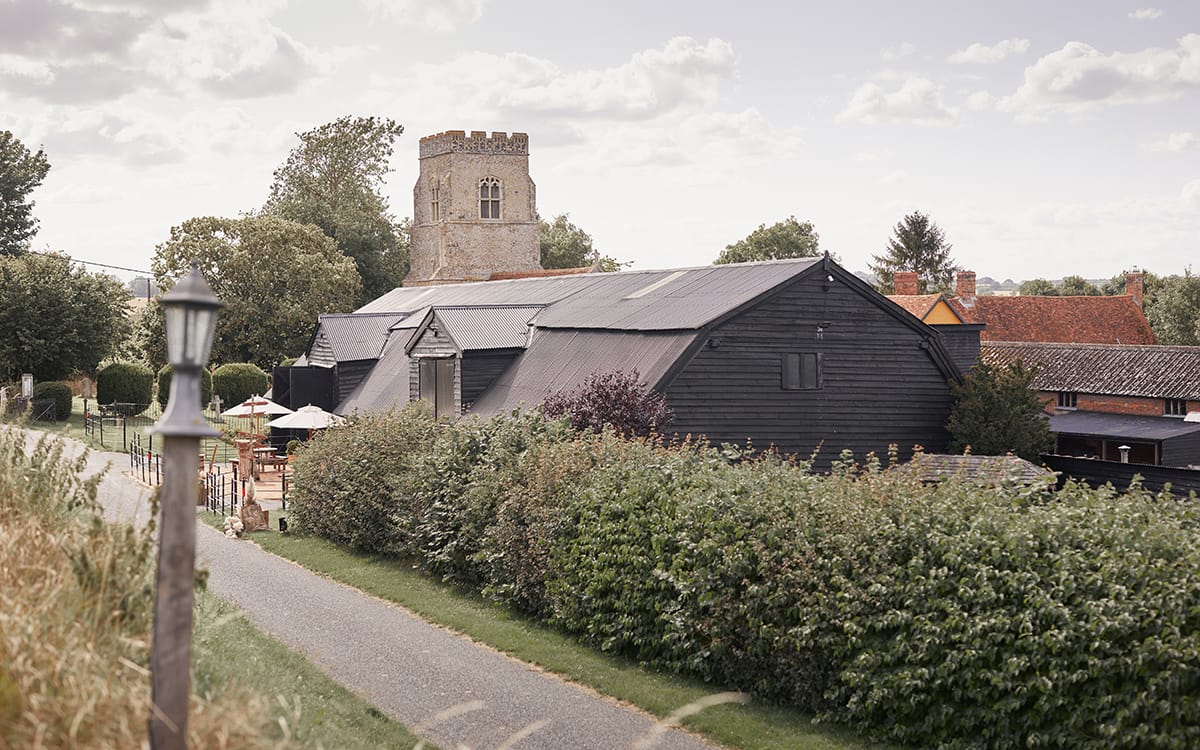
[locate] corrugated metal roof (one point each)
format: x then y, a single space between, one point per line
386 385
690 298
354 336
491 327
1109 369
557 359
1096 424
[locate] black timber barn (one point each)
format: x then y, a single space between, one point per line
798 354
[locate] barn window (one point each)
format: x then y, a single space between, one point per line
801 372
1068 399
437 384
489 198
1175 407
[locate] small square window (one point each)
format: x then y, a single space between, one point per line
1175 407
1068 400
801 372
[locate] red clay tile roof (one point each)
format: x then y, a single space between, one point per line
917 304
1106 369
538 274
1066 320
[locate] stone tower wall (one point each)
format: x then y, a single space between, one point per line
457 245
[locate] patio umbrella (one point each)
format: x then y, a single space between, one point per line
256 406
307 418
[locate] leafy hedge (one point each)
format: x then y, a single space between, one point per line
129 384
165 374
60 392
948 616
238 381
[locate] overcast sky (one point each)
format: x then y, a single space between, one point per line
1046 138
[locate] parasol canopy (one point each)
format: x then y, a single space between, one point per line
256 406
307 418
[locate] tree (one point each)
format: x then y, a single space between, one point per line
1175 312
917 244
616 399
997 411
783 239
274 275
1077 286
565 245
56 318
1038 288
20 172
333 180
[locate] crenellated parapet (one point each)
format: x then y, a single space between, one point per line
478 142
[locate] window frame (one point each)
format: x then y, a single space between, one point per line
1068 400
435 203
1175 407
491 201
801 371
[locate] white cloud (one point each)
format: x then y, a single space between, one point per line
893 178
898 51
1174 143
1180 210
979 100
917 101
1079 78
1147 14
981 54
431 15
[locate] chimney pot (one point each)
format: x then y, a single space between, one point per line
1134 285
964 286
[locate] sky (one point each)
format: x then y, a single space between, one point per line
1045 138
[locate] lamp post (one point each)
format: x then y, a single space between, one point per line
190 310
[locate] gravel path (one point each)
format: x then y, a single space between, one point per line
412 670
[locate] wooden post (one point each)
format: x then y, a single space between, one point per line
171 655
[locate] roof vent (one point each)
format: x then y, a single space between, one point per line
656 285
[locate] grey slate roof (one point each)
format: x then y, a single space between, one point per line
386 385
353 336
1098 424
937 467
676 299
1112 369
557 359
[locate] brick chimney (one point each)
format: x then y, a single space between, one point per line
905 282
964 286
1133 286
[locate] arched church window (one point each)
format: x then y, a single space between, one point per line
435 204
489 198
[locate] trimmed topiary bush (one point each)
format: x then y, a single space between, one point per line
164 386
129 385
57 390
238 381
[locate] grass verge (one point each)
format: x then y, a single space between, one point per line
749 727
304 706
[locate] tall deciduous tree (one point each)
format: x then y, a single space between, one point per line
783 239
565 245
917 244
1175 312
21 170
997 411
334 180
56 318
274 275
1038 288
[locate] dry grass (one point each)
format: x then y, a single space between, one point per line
76 601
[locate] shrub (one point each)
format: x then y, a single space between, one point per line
127 384
996 411
164 386
346 478
238 381
616 399
60 392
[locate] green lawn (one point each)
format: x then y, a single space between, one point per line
750 726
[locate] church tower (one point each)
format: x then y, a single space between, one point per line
473 209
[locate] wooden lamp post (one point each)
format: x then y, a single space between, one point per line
190 310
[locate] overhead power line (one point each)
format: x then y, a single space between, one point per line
94 263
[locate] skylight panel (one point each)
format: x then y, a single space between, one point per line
656 285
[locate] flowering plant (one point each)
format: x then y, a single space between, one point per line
233 527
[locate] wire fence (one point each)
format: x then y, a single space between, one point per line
117 426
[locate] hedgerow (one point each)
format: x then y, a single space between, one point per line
955 615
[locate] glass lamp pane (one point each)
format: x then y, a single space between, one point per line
176 320
203 324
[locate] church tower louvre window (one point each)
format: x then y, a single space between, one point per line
489 198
